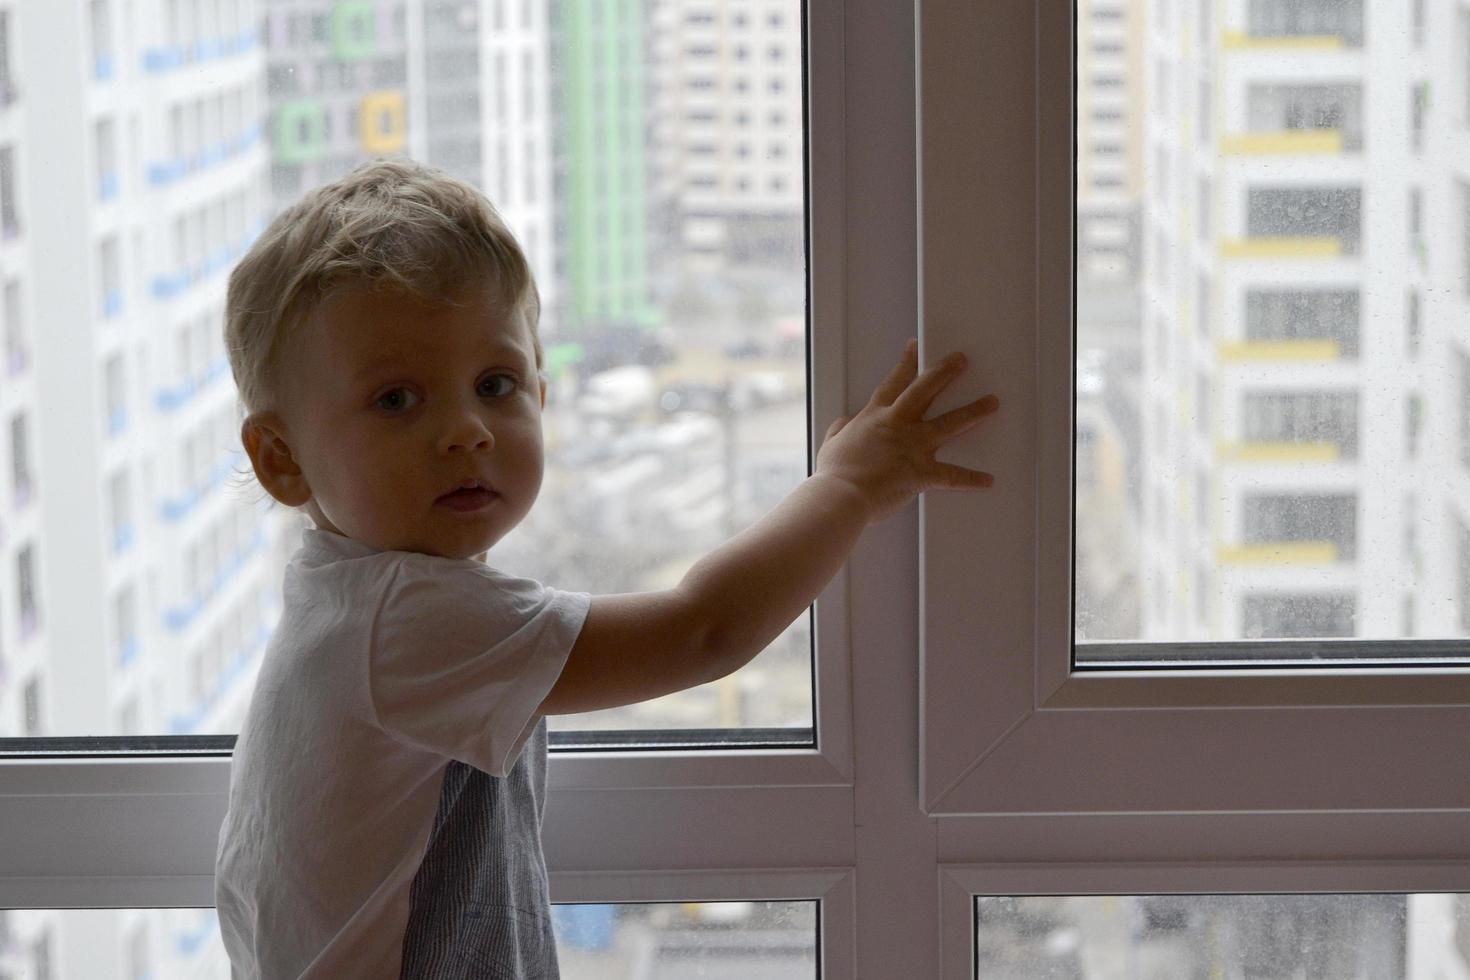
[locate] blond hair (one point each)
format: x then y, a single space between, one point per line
388 224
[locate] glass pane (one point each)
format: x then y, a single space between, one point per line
649 159
1261 937
645 941
1273 379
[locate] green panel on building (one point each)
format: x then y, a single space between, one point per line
559 356
301 131
354 30
603 125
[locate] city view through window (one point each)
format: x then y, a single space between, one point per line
649 157
1273 330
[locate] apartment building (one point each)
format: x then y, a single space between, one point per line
1304 294
132 159
729 177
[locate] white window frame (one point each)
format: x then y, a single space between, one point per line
1049 780
949 725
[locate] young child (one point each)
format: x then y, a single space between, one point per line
387 787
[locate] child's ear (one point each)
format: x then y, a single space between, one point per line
263 434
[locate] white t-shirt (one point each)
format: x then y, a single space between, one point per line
384 820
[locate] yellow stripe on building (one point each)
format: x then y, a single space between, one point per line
1298 141
1282 247
1279 553
1278 452
1240 39
1281 350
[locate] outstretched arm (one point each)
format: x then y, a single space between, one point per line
734 601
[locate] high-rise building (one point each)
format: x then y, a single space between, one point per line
133 161
729 173
1304 461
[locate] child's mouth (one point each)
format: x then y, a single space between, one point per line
467 500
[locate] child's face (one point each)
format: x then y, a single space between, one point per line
390 403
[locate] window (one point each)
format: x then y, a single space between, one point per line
1079 778
115 418
17 350
109 270
1462 361
1311 212
1306 416
9 215
1275 108
1327 519
122 513
27 590
20 461
1462 572
1294 18
1195 743
1274 314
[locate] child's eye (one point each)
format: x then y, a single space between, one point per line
503 383
397 396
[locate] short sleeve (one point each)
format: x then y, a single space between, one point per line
462 655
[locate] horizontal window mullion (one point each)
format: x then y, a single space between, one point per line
151 835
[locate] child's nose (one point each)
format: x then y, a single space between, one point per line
465 433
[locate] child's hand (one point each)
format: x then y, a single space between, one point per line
886 451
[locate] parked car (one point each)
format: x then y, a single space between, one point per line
745 349
622 392
693 396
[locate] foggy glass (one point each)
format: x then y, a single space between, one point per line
1194 937
649 157
1273 379
762 940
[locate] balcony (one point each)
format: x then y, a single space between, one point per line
1299 222
1281 351
1279 451
1240 40
1279 553
1312 142
1285 247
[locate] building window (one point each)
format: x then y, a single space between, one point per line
125 624
122 515
1303 416
1284 108
1464 363
1306 212
20 461
1415 408
1304 314
1203 302
1413 328
1465 237
1298 615
9 213
30 612
115 404
109 264
101 25
1463 567
1205 204
1297 18
1299 517
17 352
